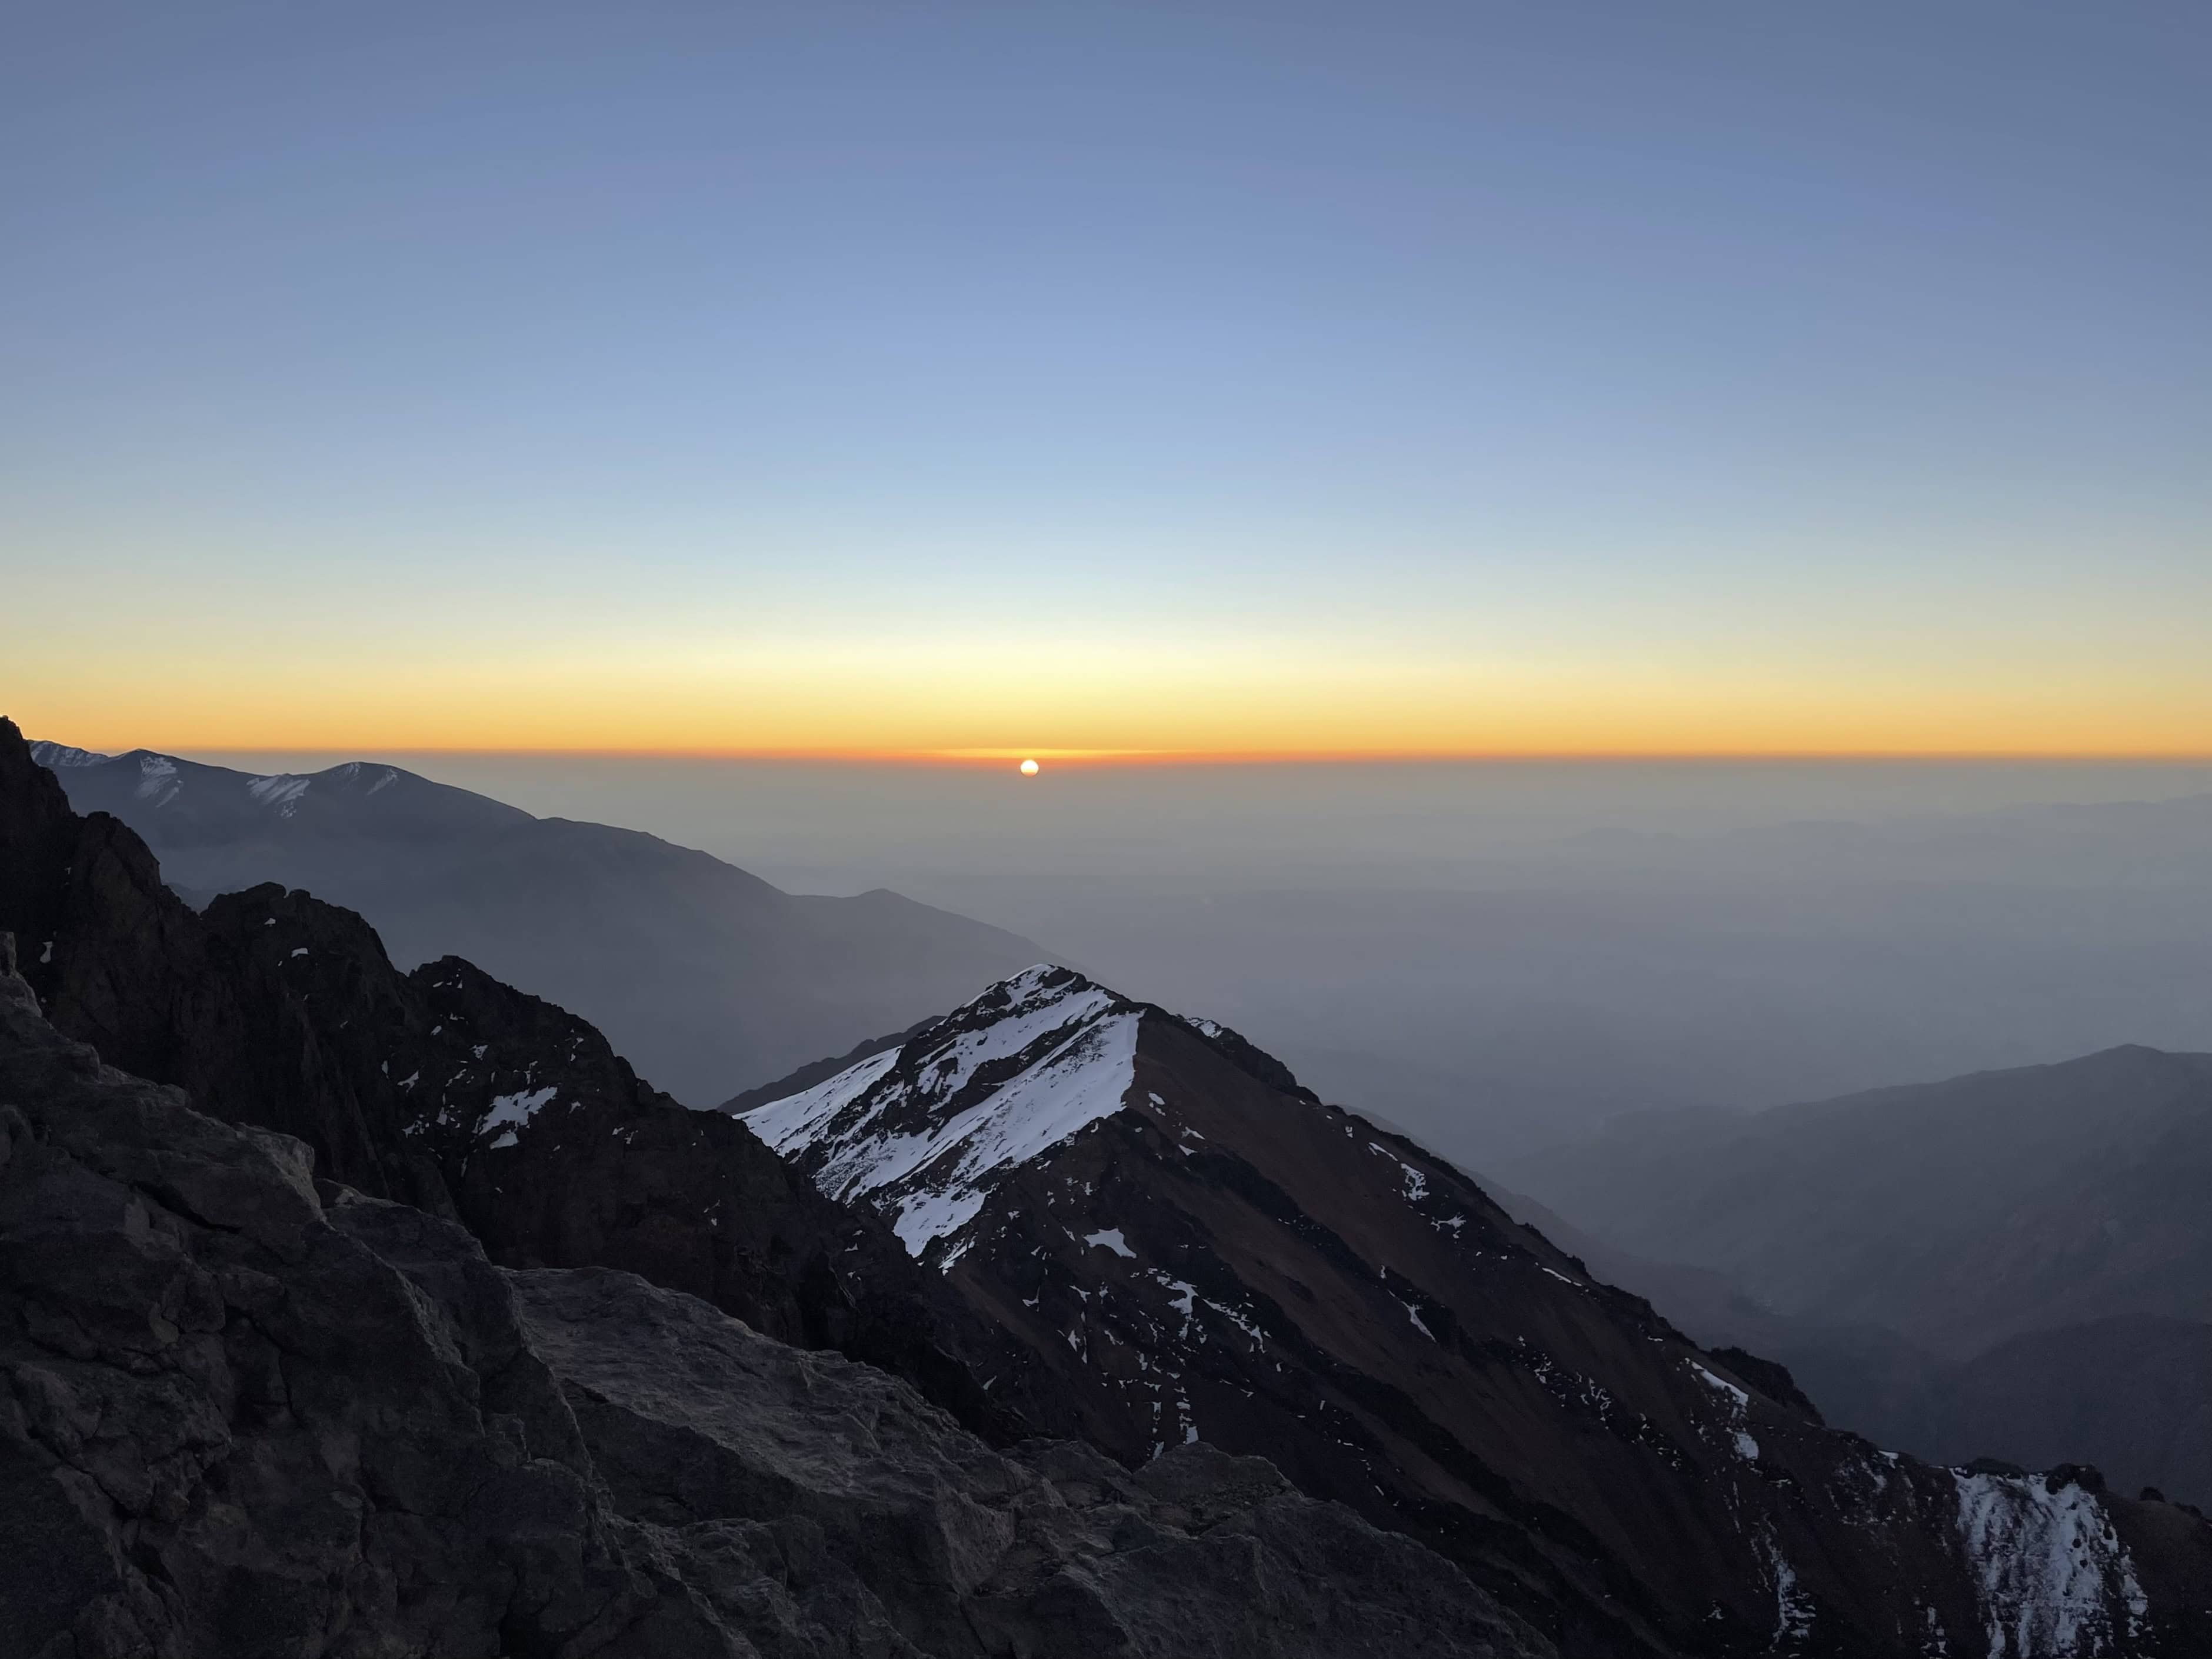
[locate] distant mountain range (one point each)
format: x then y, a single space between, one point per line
707 978
1998 1261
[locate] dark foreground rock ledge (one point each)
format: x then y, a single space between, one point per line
243 1415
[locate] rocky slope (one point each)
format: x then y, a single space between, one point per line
2131 1395
247 1415
445 1089
708 977
1187 1247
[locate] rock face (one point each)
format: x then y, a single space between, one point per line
248 1415
1173 1243
234 1427
705 975
445 1089
752 1458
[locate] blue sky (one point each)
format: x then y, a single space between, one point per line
1467 377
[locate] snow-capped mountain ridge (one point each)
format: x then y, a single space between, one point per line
162 779
60 755
926 1130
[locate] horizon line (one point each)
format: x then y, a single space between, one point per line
1087 759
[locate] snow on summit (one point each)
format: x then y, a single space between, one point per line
924 1130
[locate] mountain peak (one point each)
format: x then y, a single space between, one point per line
59 755
924 1131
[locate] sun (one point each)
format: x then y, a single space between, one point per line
1029 769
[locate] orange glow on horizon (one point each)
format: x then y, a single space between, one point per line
1102 759
1199 709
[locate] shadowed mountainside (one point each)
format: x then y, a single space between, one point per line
708 978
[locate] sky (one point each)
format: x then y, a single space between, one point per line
1251 379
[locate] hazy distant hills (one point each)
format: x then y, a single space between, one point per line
1960 1212
1500 1005
707 978
1988 1265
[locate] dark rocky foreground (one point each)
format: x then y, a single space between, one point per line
250 1414
445 1089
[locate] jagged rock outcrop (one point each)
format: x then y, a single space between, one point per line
248 1415
231 1427
1182 1244
444 1089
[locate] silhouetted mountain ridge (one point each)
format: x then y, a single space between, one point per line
708 977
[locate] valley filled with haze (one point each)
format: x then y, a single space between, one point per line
1501 955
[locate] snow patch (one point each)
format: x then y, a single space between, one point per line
2051 1574
158 781
55 755
1112 1239
1793 1607
281 792
792 1124
1719 1383
925 1136
1739 1405
1084 1080
512 1112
